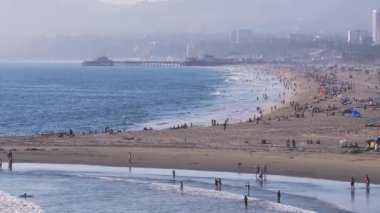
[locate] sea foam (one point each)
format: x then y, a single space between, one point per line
10 204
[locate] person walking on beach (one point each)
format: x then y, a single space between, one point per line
173 173
181 186
279 196
246 201
352 183
130 158
10 156
367 181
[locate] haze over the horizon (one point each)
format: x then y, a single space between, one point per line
42 17
34 29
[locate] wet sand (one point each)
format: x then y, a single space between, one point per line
213 149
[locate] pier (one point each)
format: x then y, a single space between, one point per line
206 61
150 63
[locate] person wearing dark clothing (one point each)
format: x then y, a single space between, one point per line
367 181
352 183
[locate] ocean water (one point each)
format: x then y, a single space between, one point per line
81 188
40 98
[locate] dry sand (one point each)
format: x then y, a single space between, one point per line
213 149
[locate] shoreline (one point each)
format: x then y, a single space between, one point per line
329 166
212 148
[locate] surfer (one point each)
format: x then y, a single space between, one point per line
181 186
246 201
25 195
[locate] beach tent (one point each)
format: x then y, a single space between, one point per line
356 114
348 111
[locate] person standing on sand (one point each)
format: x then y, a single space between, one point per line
10 156
130 158
173 173
352 183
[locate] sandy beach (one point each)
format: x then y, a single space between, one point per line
239 148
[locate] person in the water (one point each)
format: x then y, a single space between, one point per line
367 181
248 188
181 186
25 195
279 196
246 201
173 173
352 183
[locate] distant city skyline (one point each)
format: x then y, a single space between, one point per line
376 27
79 27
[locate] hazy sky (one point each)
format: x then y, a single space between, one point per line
47 17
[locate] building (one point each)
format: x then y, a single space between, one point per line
376 27
358 37
241 36
234 36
